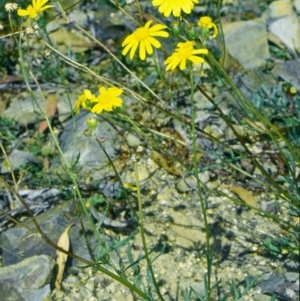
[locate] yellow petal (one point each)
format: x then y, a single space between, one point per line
154 42
157 27
142 51
22 12
133 50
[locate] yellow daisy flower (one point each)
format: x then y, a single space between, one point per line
183 53
166 7
143 38
206 22
84 101
33 10
107 100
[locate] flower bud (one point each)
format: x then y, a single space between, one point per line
175 27
190 31
91 122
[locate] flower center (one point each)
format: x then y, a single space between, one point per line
105 98
185 53
141 34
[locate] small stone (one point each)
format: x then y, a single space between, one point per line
171 238
132 140
139 149
291 276
181 186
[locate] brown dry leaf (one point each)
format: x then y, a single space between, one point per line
165 163
61 258
245 195
50 111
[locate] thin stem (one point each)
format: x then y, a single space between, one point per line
141 224
199 188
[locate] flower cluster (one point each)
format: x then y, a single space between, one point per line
144 37
35 9
107 100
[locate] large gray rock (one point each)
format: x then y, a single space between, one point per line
283 24
84 151
246 41
27 280
18 158
287 29
18 243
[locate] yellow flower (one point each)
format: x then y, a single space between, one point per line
166 7
143 38
33 10
84 100
107 100
185 51
206 22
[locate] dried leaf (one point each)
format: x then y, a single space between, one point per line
165 163
245 195
50 111
61 258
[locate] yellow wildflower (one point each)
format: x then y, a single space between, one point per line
143 38
183 53
107 100
84 100
166 7
207 23
33 10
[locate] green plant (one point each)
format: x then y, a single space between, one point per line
253 115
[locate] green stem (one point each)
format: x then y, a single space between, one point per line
141 224
199 188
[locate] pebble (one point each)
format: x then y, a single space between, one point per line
132 140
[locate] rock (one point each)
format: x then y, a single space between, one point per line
27 280
283 24
291 276
18 158
192 183
18 243
297 6
132 140
246 41
289 71
201 102
187 284
181 186
84 151
287 29
41 294
22 109
279 9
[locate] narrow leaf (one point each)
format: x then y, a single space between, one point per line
61 258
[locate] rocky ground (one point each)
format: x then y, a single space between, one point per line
270 40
